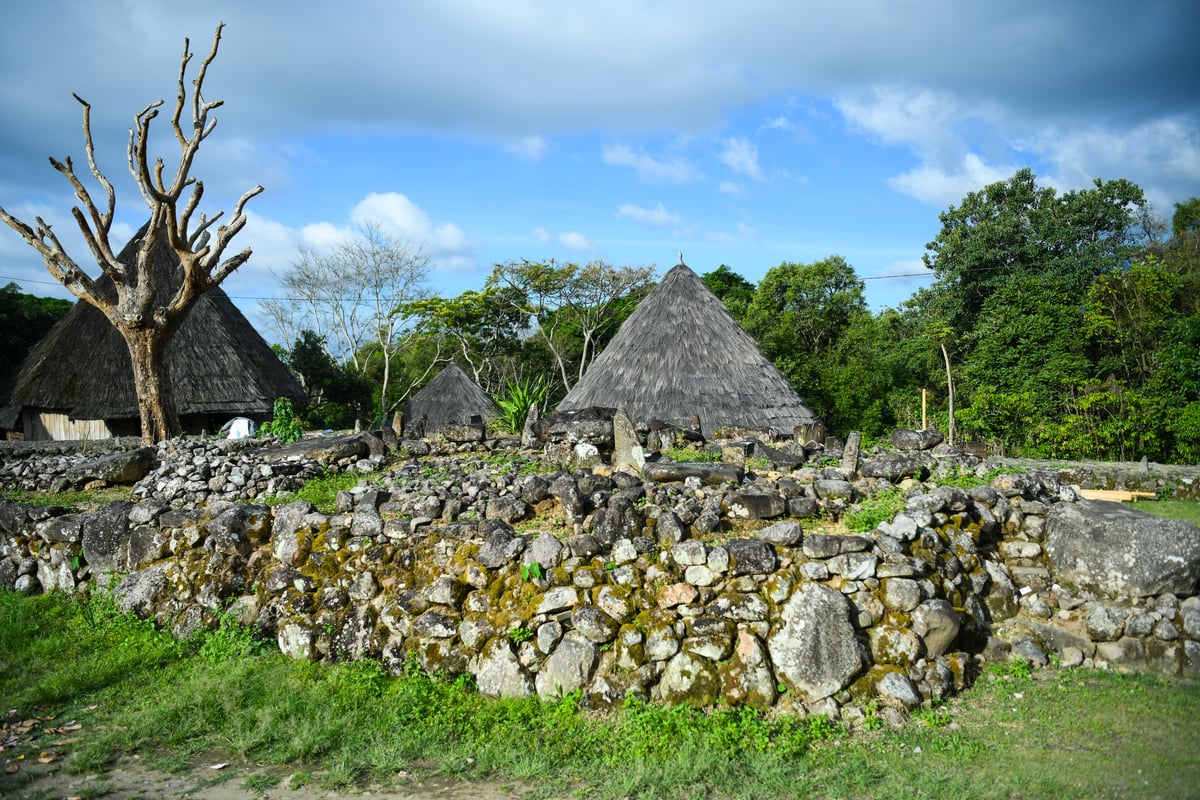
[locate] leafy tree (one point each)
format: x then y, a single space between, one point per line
24 320
133 304
1186 219
1127 314
731 289
574 309
1012 231
799 314
485 331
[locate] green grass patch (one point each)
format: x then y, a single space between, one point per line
322 492
685 455
882 507
1186 510
71 501
223 695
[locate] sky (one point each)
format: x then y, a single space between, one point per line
628 131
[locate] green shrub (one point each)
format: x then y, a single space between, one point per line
883 507
284 422
518 398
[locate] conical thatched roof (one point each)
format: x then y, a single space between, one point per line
216 360
451 398
681 354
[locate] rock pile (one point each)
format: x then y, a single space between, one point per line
698 583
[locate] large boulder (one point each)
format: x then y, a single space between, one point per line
124 467
815 650
1122 552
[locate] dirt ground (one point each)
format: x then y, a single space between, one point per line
131 779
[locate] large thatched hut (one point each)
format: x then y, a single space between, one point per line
451 398
681 355
77 383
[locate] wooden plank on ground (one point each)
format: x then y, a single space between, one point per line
1116 495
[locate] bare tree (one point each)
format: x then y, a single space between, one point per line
134 309
350 298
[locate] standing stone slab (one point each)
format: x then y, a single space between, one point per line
105 537
815 650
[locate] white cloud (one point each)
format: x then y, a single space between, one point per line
941 187
542 235
730 188
447 246
673 170
528 148
741 156
573 240
657 216
779 123
1161 153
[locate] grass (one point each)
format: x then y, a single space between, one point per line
72 501
135 690
322 492
1187 510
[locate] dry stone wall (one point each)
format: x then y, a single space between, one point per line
707 584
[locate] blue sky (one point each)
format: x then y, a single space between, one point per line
745 134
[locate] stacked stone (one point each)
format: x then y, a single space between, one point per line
691 584
191 472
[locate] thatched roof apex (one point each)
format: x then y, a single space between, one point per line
217 361
681 354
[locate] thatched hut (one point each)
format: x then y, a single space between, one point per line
77 382
451 398
682 355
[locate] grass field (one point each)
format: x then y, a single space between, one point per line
131 689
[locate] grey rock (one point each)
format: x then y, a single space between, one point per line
500 548
910 440
500 673
105 537
546 550
677 472
831 489
139 592
815 650
1027 649
593 623
751 557
751 504
938 624
568 668
900 594
690 680
124 467
897 690
1122 552
785 534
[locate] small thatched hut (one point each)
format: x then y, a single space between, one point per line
77 383
451 398
680 355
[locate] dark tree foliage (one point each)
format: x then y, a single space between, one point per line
24 320
731 289
337 395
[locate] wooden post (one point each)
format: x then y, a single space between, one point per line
924 407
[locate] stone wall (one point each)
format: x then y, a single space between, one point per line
704 584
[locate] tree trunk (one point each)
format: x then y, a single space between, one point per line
156 400
950 392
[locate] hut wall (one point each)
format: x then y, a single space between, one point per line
42 425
